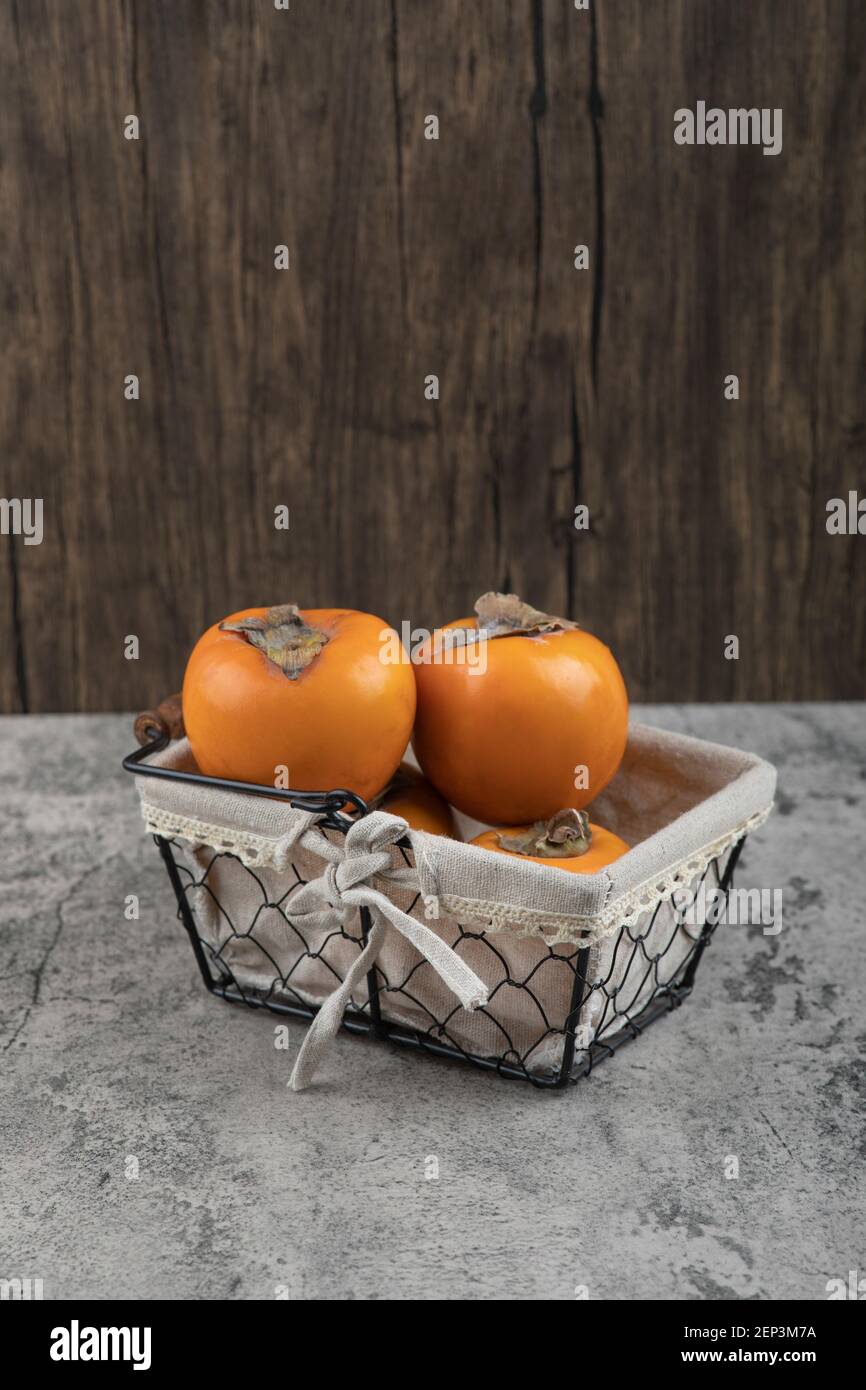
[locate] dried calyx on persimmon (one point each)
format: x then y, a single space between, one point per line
506 615
567 841
283 636
566 834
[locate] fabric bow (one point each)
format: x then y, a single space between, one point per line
345 883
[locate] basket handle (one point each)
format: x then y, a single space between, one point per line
166 721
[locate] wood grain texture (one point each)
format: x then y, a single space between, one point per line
411 257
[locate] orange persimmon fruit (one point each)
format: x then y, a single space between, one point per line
305 690
417 801
513 705
569 840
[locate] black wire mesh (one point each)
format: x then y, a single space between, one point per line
553 1013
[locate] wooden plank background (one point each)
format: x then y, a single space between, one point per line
410 257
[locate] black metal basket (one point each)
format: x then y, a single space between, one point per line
636 959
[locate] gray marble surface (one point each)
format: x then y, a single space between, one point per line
115 1057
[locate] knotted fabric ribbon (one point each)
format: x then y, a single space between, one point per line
345 883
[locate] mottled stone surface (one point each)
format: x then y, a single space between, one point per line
112 1048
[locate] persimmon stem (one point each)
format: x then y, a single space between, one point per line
283 636
565 836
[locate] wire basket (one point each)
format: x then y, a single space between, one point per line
553 1012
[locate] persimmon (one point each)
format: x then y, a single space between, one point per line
569 841
305 690
519 713
414 798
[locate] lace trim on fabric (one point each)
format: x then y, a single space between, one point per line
255 851
623 911
261 851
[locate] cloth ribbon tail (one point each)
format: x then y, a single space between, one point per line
456 974
326 1024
